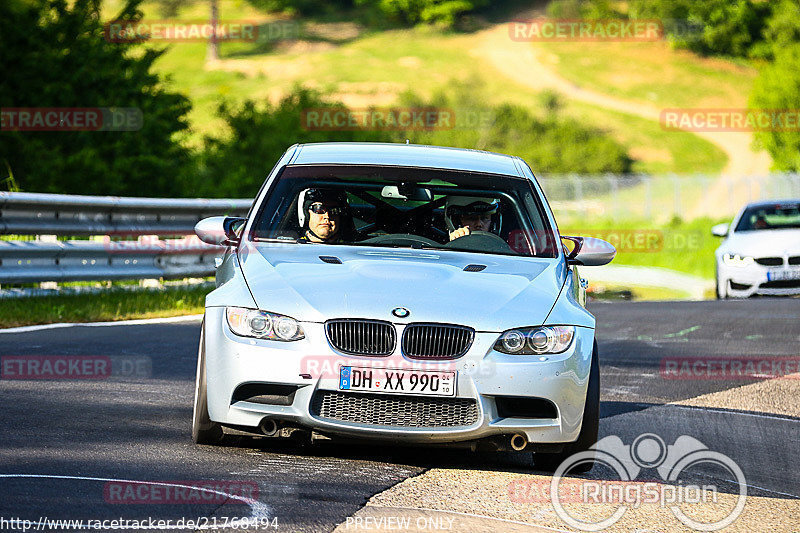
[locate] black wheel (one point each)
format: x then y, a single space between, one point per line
204 430
590 426
721 294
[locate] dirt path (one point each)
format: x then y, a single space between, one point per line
522 62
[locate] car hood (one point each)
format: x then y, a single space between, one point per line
370 282
763 243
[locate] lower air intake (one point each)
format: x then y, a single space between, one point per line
397 411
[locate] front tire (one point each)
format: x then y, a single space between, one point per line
721 289
590 427
204 430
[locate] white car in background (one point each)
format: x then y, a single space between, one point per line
761 251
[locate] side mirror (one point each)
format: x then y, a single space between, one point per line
590 251
720 230
222 231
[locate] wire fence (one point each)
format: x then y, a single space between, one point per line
661 198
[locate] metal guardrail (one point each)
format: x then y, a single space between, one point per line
148 257
62 214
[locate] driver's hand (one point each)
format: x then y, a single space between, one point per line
460 232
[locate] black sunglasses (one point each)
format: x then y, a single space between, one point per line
320 209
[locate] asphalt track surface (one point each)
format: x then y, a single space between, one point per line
65 444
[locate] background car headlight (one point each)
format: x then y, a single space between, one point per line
737 260
263 325
535 341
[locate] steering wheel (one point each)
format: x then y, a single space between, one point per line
480 241
401 239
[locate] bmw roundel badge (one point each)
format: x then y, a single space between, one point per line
401 312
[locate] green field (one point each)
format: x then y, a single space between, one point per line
651 72
362 68
104 306
682 246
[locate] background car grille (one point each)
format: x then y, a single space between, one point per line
361 337
391 410
770 261
436 341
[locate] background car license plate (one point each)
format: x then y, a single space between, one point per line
416 382
781 275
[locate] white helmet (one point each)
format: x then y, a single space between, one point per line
457 206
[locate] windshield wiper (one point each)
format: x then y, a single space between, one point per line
277 239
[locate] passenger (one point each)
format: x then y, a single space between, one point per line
324 215
761 223
465 214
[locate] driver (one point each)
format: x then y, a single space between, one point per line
324 215
465 214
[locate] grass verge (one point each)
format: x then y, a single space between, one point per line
686 247
615 292
102 306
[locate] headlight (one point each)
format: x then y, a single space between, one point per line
263 325
535 341
737 260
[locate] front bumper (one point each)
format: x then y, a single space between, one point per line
755 279
312 365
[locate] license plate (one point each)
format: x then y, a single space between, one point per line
782 275
414 382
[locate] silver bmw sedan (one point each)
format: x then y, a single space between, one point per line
405 294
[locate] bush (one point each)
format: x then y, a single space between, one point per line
54 54
551 145
409 12
582 9
441 12
236 165
722 27
778 87
782 29
301 7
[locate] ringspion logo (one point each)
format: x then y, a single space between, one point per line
674 465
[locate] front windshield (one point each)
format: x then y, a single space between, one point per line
405 208
764 217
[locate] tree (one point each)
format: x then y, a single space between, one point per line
778 88
55 55
213 43
235 165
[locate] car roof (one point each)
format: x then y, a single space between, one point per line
767 203
406 155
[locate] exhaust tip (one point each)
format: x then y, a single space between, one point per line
519 442
268 427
